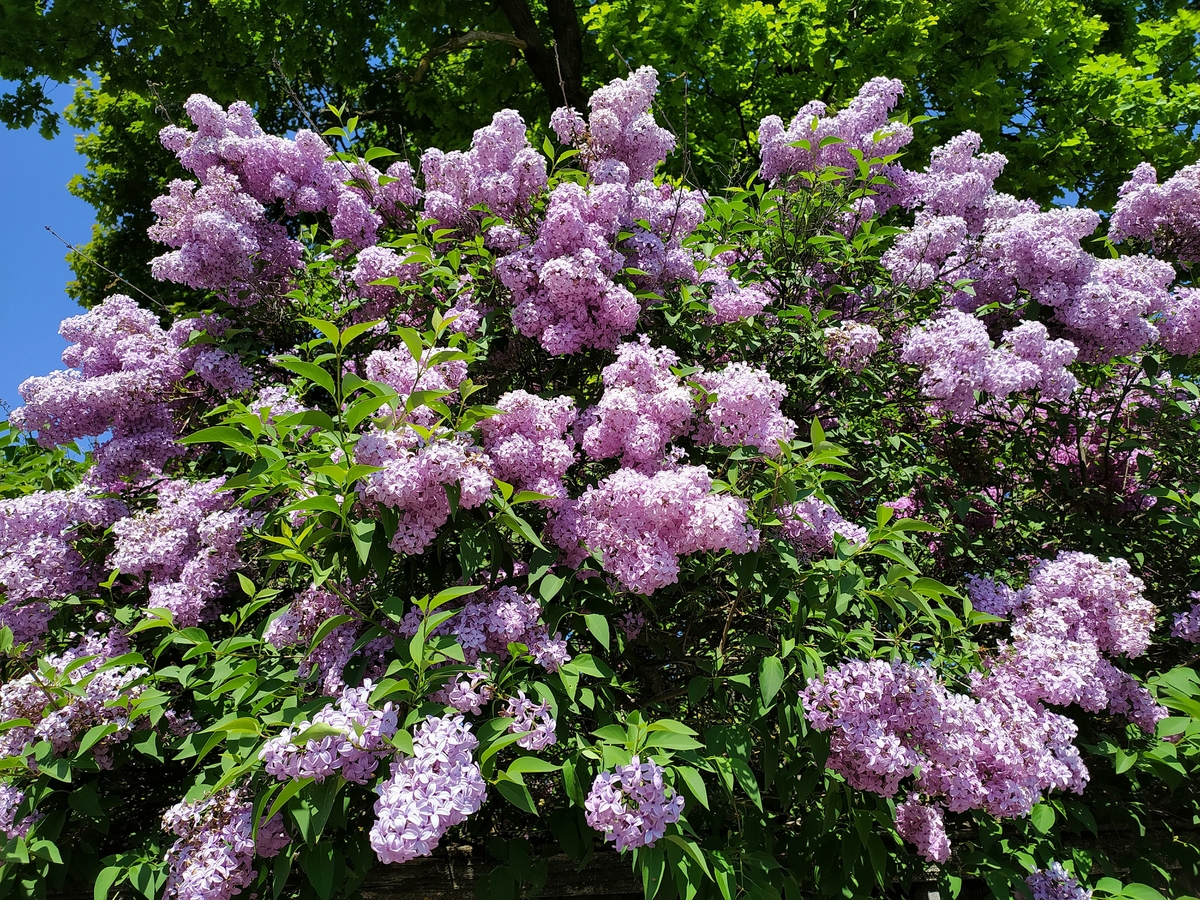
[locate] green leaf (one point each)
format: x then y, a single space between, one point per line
1042 816
105 881
525 764
770 679
310 371
219 434
598 626
695 784
517 794
745 777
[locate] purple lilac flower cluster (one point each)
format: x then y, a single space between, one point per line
530 445
297 625
468 692
1053 883
630 806
534 718
644 407
1075 611
11 798
492 620
123 369
889 722
1167 215
958 361
1107 307
213 858
413 480
500 170
1187 624
851 344
428 793
745 411
186 547
61 713
641 524
364 735
811 524
38 557
862 126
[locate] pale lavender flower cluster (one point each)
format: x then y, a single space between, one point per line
730 300
428 793
363 736
958 360
11 798
811 525
1187 624
924 827
631 623
851 344
399 371
38 557
1053 883
491 620
1107 307
213 858
644 407
1166 215
61 709
889 722
1075 611
630 806
1179 322
534 718
297 625
563 286
374 264
414 478
222 240
642 524
501 171
468 692
620 142
746 409
187 547
863 125
530 444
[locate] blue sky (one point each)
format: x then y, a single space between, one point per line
33 194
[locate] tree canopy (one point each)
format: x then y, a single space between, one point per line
1075 94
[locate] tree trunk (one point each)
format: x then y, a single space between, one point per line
558 69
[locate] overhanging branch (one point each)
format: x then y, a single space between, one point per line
461 42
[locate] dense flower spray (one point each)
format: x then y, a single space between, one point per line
630 806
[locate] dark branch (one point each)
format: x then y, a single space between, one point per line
460 42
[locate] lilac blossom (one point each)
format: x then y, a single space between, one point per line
863 125
529 443
642 524
11 798
428 793
491 620
745 411
364 735
534 718
630 806
644 407
1167 215
213 857
468 692
1187 624
187 546
851 344
39 560
1053 883
811 525
925 826
413 479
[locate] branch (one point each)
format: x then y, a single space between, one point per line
460 42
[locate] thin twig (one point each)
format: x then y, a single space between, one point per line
74 249
561 83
